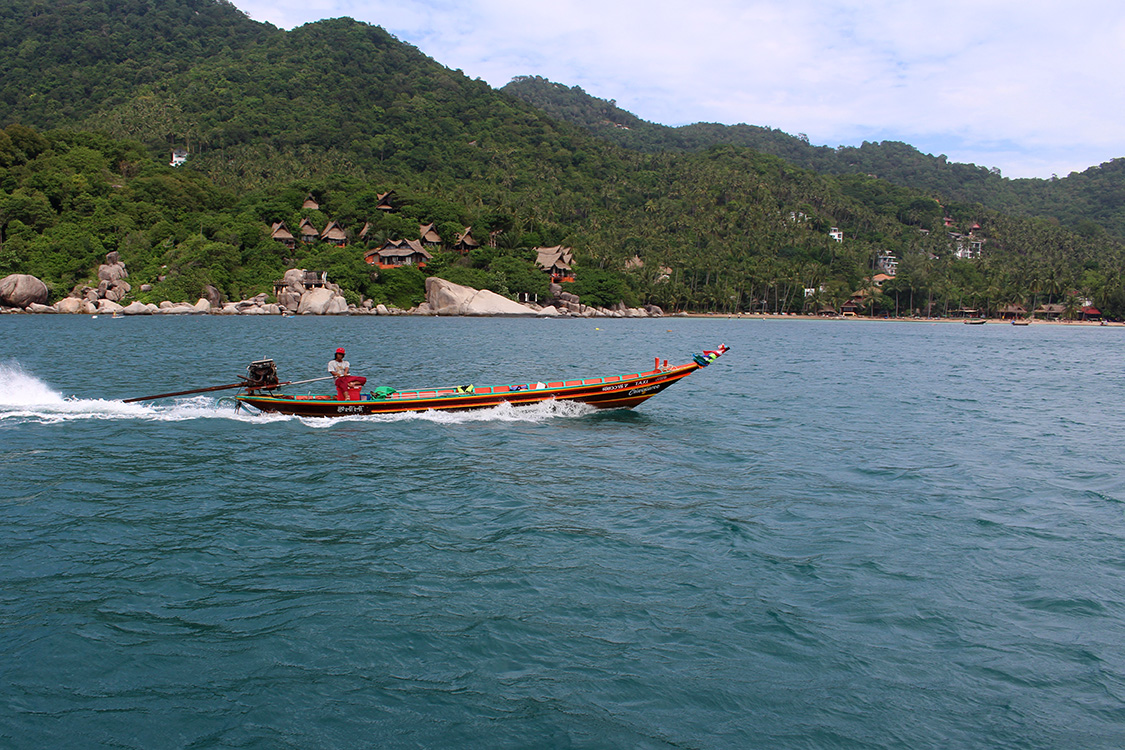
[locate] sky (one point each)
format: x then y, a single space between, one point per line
1032 88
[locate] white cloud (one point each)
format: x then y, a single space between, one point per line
1028 87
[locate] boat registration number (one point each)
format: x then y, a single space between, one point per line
619 386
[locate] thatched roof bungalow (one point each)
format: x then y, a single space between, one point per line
557 261
1009 312
281 233
465 242
429 235
395 253
1052 311
334 234
308 232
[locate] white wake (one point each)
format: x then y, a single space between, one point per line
539 412
26 398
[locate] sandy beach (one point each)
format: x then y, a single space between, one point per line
858 318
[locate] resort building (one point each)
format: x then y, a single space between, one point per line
888 262
966 247
429 236
465 243
396 253
334 235
1011 312
281 233
557 262
308 232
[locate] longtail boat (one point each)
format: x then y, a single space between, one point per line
615 392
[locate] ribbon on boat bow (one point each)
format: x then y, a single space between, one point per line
710 355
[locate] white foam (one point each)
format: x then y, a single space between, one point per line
25 398
17 388
539 412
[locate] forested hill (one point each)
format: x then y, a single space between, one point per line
96 94
1088 202
64 59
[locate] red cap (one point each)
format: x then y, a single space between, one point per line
340 350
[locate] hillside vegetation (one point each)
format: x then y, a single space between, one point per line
100 93
1089 202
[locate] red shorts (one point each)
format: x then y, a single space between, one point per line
347 385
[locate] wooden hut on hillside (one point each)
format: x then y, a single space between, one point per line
334 234
465 243
395 253
429 236
310 203
281 233
308 232
557 261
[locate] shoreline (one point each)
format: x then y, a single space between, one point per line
603 317
858 318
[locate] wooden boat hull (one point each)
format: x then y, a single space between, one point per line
617 392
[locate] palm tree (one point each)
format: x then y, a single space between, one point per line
1070 306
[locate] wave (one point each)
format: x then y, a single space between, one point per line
25 398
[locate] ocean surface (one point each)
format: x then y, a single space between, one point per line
840 535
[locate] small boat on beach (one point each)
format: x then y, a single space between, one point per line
1021 322
614 392
975 322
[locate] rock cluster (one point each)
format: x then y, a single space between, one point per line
24 293
301 294
569 304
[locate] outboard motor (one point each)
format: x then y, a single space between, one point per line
262 374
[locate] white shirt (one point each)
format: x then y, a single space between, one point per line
339 369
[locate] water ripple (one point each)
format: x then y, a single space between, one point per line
856 536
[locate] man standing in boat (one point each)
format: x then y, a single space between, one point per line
338 368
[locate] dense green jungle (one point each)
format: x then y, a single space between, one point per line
97 93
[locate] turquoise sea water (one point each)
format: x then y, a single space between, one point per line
840 535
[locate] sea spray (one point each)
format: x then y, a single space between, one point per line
21 389
26 398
